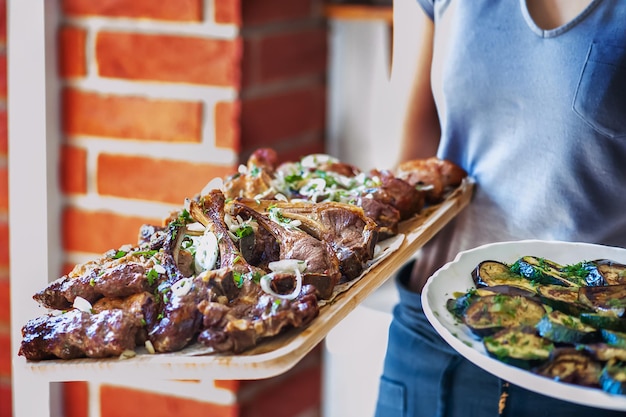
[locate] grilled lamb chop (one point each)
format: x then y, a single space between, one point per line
228 305
254 316
386 216
76 334
434 175
181 319
107 277
142 306
351 234
256 181
119 273
322 264
397 193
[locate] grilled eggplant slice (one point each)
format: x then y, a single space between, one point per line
613 377
519 346
573 366
546 272
494 273
604 352
609 300
564 299
487 315
459 304
563 328
612 272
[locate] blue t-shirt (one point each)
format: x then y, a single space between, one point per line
537 118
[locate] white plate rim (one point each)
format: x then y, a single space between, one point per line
456 276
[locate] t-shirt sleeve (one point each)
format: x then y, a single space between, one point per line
429 7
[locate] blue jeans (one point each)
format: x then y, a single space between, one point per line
424 377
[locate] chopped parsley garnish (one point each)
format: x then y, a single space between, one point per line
152 275
244 230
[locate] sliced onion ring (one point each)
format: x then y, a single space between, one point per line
266 281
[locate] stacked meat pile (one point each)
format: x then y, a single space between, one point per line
242 261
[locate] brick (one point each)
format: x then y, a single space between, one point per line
169 58
227 12
3 76
73 166
285 55
266 121
227 131
5 355
124 402
129 117
4 137
264 12
174 10
295 395
160 180
98 231
76 399
5 305
6 404
3 22
71 47
295 150
4 189
4 244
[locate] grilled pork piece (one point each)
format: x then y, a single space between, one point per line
322 270
76 334
351 234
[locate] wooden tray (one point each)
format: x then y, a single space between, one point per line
273 356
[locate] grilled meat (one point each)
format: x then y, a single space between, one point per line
351 234
76 334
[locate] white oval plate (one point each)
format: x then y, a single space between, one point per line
456 277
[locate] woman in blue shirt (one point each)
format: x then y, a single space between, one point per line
529 96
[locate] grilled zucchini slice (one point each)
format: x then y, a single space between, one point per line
613 338
492 313
602 321
518 346
494 273
563 328
613 377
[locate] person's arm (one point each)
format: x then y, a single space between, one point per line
410 81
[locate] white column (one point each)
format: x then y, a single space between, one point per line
33 195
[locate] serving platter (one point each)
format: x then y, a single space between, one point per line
278 354
455 277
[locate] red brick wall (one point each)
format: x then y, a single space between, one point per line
158 98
